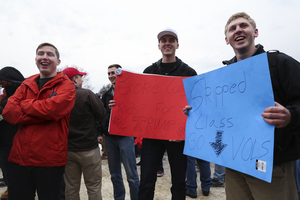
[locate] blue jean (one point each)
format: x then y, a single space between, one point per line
121 149
219 174
191 175
297 175
24 181
152 154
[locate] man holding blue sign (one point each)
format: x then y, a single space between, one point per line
240 32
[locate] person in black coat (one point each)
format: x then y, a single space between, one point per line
10 80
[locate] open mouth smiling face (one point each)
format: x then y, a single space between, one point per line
240 38
240 34
46 61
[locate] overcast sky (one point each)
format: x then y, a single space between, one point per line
92 34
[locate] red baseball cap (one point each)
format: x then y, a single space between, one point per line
71 71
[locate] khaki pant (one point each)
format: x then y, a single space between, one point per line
88 163
240 186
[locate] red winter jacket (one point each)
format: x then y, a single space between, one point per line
43 118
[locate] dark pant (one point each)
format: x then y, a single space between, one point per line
152 154
4 153
161 167
26 180
62 195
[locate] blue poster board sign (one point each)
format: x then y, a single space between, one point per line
225 125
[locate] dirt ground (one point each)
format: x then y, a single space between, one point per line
162 189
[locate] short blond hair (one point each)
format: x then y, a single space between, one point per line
238 15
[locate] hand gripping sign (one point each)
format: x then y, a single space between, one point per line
148 106
225 125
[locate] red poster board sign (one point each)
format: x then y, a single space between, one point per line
148 106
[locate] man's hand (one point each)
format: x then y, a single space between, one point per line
111 103
277 115
176 140
186 110
100 139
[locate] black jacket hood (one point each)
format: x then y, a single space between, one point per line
259 49
11 74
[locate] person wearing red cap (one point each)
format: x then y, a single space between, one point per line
83 150
41 106
153 149
74 75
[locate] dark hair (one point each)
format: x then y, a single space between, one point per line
48 44
114 65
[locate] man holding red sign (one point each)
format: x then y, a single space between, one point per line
153 149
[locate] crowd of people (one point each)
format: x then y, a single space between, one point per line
51 130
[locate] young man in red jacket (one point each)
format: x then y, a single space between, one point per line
41 106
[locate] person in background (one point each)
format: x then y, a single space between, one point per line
10 80
41 106
104 153
2 95
120 149
83 150
191 177
219 176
